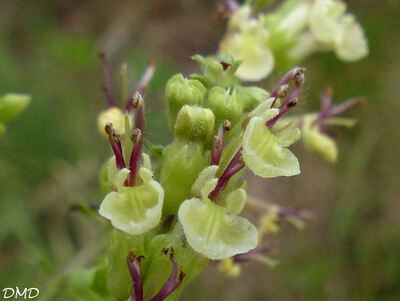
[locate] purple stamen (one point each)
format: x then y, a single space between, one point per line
115 145
339 109
233 168
107 79
136 275
281 89
326 102
174 280
141 87
137 138
270 123
218 144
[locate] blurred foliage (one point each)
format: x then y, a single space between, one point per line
50 156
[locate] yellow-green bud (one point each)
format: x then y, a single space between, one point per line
225 106
11 105
114 116
194 123
180 91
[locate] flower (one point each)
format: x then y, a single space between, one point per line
212 229
265 150
316 141
247 40
332 26
137 209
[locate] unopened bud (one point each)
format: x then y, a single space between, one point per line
179 92
225 106
194 123
114 117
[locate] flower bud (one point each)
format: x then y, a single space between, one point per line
225 106
11 105
180 91
194 123
114 116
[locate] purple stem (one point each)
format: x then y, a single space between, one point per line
107 79
142 85
136 275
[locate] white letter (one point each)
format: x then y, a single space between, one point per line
30 291
5 292
17 293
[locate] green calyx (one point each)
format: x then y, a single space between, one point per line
225 104
182 162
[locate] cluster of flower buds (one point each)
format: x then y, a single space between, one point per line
286 36
11 105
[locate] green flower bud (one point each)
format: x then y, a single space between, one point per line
182 163
225 106
11 105
194 123
180 91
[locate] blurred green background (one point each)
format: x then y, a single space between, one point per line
50 156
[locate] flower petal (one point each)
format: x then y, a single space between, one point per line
205 175
235 201
214 233
137 209
263 154
287 132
